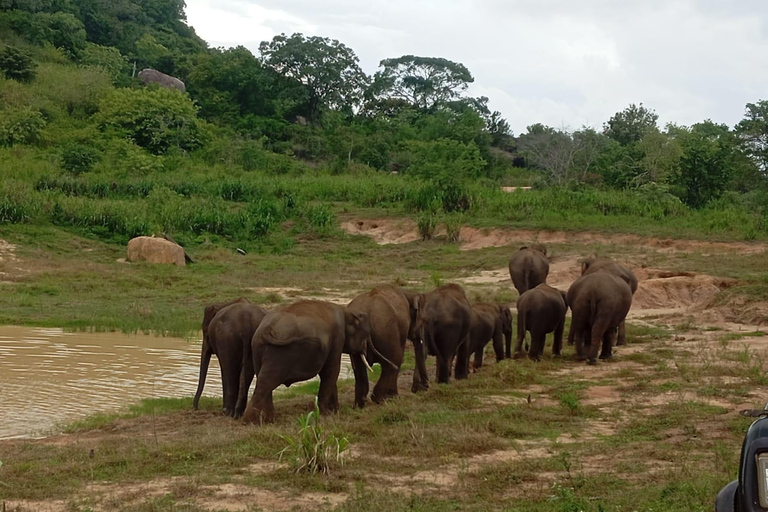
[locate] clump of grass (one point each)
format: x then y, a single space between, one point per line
427 224
313 450
453 225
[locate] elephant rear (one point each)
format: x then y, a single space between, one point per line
528 268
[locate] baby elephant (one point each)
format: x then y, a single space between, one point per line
489 321
541 311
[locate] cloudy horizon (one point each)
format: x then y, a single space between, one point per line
549 61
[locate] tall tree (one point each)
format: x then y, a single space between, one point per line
425 82
328 69
631 124
753 132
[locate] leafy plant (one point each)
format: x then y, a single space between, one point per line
313 450
79 158
427 224
453 225
20 126
17 65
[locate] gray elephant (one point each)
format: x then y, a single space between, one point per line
541 311
529 267
442 323
489 322
228 335
391 317
153 76
600 301
593 264
299 341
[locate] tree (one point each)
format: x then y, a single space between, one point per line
549 150
705 165
328 69
156 119
425 82
107 58
753 132
631 124
17 65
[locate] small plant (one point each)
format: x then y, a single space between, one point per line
320 218
570 401
453 227
313 450
427 223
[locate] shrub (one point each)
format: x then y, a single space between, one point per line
453 225
17 65
156 119
106 58
313 450
320 218
79 158
20 126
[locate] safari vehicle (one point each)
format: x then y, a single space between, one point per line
750 492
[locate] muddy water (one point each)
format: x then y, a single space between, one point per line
49 377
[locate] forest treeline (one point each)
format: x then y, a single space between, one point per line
73 117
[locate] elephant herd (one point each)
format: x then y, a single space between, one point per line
300 341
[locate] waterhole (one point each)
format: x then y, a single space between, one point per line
49 377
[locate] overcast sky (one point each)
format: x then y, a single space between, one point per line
558 62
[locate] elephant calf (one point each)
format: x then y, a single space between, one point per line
390 313
600 302
541 311
299 341
529 267
594 264
228 335
489 322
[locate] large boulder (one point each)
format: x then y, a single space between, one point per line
155 250
153 76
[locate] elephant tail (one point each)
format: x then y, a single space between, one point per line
205 359
526 278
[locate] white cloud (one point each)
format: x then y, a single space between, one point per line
558 62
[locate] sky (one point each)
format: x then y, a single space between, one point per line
559 62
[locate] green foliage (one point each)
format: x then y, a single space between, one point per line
20 126
78 158
423 82
106 58
427 224
313 450
444 159
59 29
17 65
327 68
631 124
753 131
320 219
157 119
453 224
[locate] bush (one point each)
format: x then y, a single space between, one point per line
156 119
427 223
453 225
106 58
17 65
79 158
20 126
320 219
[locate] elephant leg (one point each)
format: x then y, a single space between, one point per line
537 345
231 369
599 328
478 361
557 345
444 369
420 376
622 339
386 387
462 360
246 378
328 395
361 380
609 338
261 409
498 345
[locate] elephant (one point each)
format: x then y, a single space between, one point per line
599 301
228 335
529 267
301 340
442 324
541 311
152 76
489 321
593 264
391 317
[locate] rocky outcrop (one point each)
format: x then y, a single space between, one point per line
155 250
152 76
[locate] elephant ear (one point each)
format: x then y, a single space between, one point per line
356 319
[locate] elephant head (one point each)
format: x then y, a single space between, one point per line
357 341
586 263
